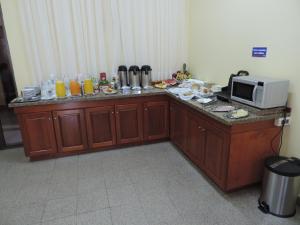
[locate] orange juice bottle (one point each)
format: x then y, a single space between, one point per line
75 88
60 89
88 87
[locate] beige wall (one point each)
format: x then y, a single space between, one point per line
222 34
20 63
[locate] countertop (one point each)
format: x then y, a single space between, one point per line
254 113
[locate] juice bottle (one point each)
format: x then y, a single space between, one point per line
88 87
75 88
60 89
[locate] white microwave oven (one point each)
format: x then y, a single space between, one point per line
260 92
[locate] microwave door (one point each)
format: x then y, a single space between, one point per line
244 92
254 94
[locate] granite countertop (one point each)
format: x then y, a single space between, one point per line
254 113
96 97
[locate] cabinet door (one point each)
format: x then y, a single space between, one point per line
215 155
101 126
70 130
156 120
38 134
178 125
196 140
129 123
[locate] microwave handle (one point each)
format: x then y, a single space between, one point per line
254 93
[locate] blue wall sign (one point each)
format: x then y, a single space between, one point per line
259 52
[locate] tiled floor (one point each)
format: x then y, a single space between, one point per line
146 185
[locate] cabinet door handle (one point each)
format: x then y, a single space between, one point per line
55 118
113 113
202 129
146 109
117 112
49 118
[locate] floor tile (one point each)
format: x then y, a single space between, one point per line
92 201
71 220
116 178
25 215
152 184
122 195
91 183
128 215
60 208
32 193
63 188
101 217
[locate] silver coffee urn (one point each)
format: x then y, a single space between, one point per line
146 77
123 77
135 77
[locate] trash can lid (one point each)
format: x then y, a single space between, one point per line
283 166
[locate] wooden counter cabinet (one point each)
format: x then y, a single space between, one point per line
216 155
196 141
129 123
156 120
232 155
178 125
101 129
70 130
38 134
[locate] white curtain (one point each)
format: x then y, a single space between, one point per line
68 37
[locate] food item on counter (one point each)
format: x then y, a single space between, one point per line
188 93
183 75
75 88
239 113
204 90
60 89
161 85
195 87
171 82
88 87
110 90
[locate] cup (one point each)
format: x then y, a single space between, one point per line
60 89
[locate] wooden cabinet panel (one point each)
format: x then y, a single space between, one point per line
215 156
70 130
178 125
101 126
38 134
129 123
196 140
156 120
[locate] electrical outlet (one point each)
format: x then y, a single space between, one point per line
283 121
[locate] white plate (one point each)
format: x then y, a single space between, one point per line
186 98
110 93
224 108
178 91
204 100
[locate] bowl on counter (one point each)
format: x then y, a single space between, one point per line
186 96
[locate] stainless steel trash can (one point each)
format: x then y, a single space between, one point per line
280 186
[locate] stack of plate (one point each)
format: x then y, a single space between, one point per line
31 93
